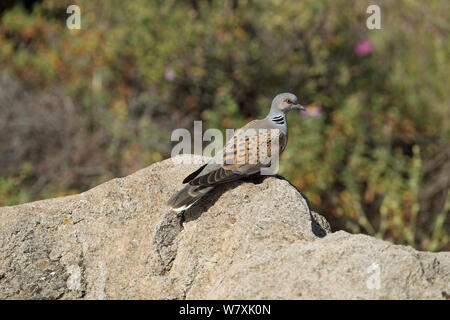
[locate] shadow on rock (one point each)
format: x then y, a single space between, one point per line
210 199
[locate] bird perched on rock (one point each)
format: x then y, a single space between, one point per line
251 150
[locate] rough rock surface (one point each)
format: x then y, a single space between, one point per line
246 240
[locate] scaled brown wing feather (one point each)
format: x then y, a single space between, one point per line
242 156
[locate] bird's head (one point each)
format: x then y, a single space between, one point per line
285 102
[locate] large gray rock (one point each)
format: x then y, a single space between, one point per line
246 240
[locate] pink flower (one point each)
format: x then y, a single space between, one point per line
430 28
170 75
363 48
311 111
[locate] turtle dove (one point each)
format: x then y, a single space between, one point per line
251 149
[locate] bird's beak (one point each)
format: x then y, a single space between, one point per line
299 107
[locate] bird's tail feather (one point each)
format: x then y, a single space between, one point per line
186 197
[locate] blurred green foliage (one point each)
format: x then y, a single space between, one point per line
78 107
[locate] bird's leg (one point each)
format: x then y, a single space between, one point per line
255 178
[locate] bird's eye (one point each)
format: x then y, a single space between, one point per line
288 101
